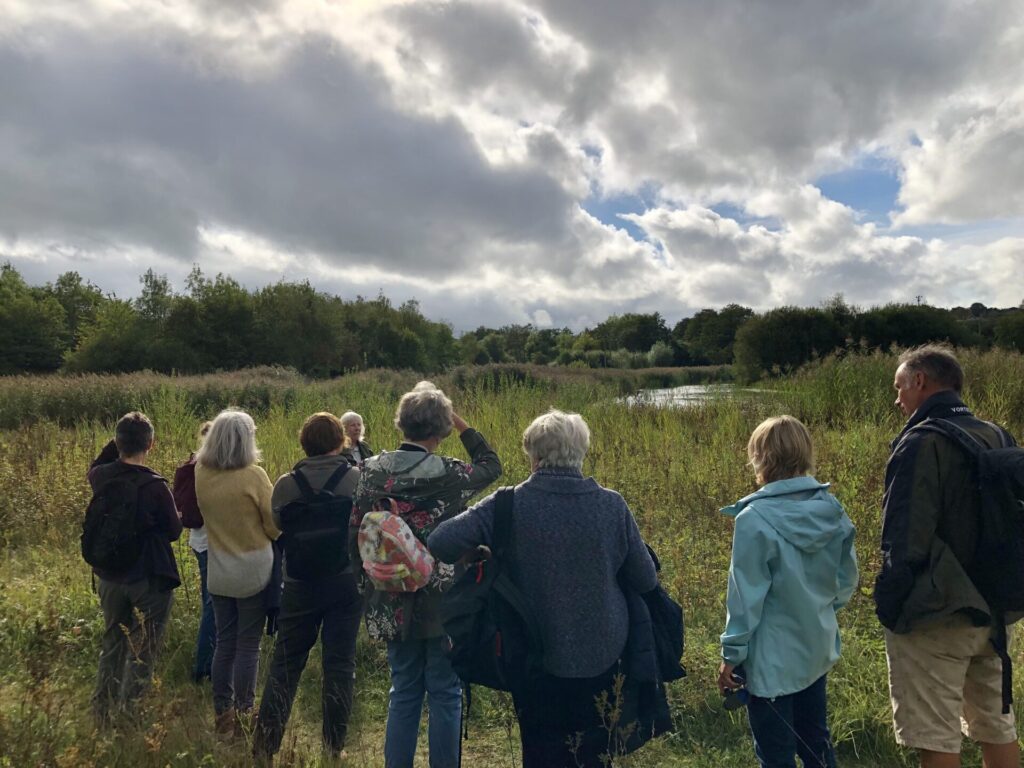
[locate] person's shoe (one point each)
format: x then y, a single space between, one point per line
226 723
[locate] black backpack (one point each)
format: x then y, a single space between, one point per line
314 529
111 531
494 637
998 568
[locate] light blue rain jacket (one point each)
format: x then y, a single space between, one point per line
793 566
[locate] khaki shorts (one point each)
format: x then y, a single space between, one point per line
945 679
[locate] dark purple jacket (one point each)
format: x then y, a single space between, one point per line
159 523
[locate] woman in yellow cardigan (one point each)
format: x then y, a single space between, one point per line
234 497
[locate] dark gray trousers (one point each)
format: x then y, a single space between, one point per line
134 616
240 623
331 609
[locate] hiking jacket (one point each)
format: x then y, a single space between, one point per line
159 522
365 452
793 566
429 489
930 521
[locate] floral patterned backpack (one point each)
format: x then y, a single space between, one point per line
393 558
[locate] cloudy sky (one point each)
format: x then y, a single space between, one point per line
551 161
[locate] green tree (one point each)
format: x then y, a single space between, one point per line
115 342
33 326
634 332
709 335
225 329
1010 331
80 300
908 325
471 351
784 339
494 345
301 328
660 355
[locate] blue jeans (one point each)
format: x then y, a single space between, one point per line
792 725
418 667
206 640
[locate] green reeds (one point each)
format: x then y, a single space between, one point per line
675 468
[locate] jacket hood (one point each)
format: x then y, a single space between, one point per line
799 509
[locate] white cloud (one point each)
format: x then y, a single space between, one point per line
967 167
442 150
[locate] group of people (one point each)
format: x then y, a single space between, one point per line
577 554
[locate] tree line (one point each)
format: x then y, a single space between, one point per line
71 325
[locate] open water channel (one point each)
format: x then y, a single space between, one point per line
689 395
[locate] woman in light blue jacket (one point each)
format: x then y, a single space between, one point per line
793 566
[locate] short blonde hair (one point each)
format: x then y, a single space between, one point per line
424 413
780 448
231 442
557 439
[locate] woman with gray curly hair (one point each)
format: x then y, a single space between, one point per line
234 495
424 489
576 546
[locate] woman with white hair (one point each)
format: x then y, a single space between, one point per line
358 451
234 495
574 544
424 489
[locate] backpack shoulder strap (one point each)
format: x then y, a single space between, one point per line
968 442
336 476
503 519
304 487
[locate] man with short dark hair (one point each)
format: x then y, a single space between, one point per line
136 602
943 668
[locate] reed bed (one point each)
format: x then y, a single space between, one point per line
674 467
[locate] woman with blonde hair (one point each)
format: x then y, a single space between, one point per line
234 495
793 566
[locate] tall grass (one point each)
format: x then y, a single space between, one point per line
674 467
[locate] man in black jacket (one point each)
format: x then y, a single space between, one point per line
942 665
145 590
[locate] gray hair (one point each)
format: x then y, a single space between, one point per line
938 364
557 439
348 417
230 443
424 413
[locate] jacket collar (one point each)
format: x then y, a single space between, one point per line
778 488
412 447
941 405
559 480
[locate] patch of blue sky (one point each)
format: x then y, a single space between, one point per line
870 187
609 210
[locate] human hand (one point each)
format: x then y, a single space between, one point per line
459 423
726 682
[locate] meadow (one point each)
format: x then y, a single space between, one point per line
674 467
